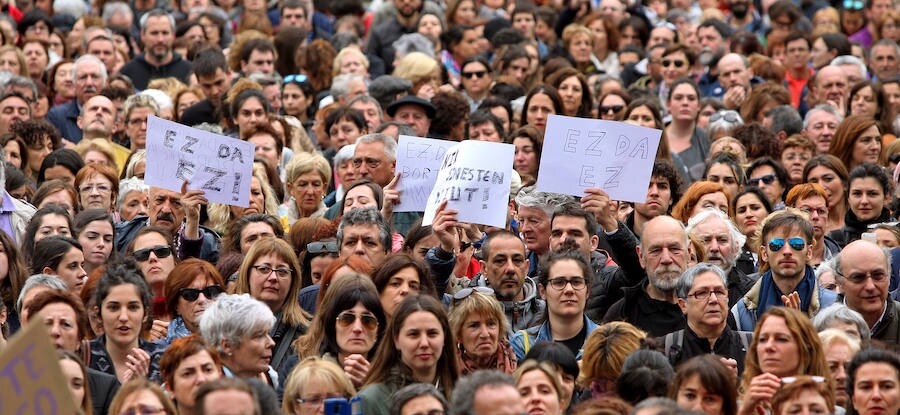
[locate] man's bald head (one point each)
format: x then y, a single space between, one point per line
734 70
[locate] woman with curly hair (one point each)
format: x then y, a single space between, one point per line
316 61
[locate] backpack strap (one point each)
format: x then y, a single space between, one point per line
673 344
526 340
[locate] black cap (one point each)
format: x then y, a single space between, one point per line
411 100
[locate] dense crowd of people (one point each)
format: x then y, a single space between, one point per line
760 275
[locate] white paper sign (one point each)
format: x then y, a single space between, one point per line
581 153
418 162
474 176
220 166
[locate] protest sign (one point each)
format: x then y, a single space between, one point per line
581 153
31 381
418 162
220 166
474 178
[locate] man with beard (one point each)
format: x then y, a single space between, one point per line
90 78
158 59
382 37
179 213
786 237
651 305
722 242
504 270
712 34
744 18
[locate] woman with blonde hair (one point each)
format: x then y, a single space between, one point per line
420 69
306 178
351 60
479 325
311 382
784 344
535 381
98 151
839 350
270 273
13 60
605 351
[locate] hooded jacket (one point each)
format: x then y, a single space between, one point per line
520 314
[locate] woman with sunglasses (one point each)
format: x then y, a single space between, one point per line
271 273
350 325
152 249
123 300
96 232
612 105
417 347
480 328
400 276
191 286
870 191
564 285
784 344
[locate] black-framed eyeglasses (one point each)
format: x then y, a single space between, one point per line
328 246
606 109
894 158
466 292
559 283
703 295
281 273
776 244
767 179
347 318
192 294
729 116
161 251
297 78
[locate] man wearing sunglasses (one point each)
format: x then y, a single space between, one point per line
863 272
790 281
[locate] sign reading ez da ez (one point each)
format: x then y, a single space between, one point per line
220 166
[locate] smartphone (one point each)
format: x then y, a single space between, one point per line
337 406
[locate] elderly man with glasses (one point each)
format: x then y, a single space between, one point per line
863 272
